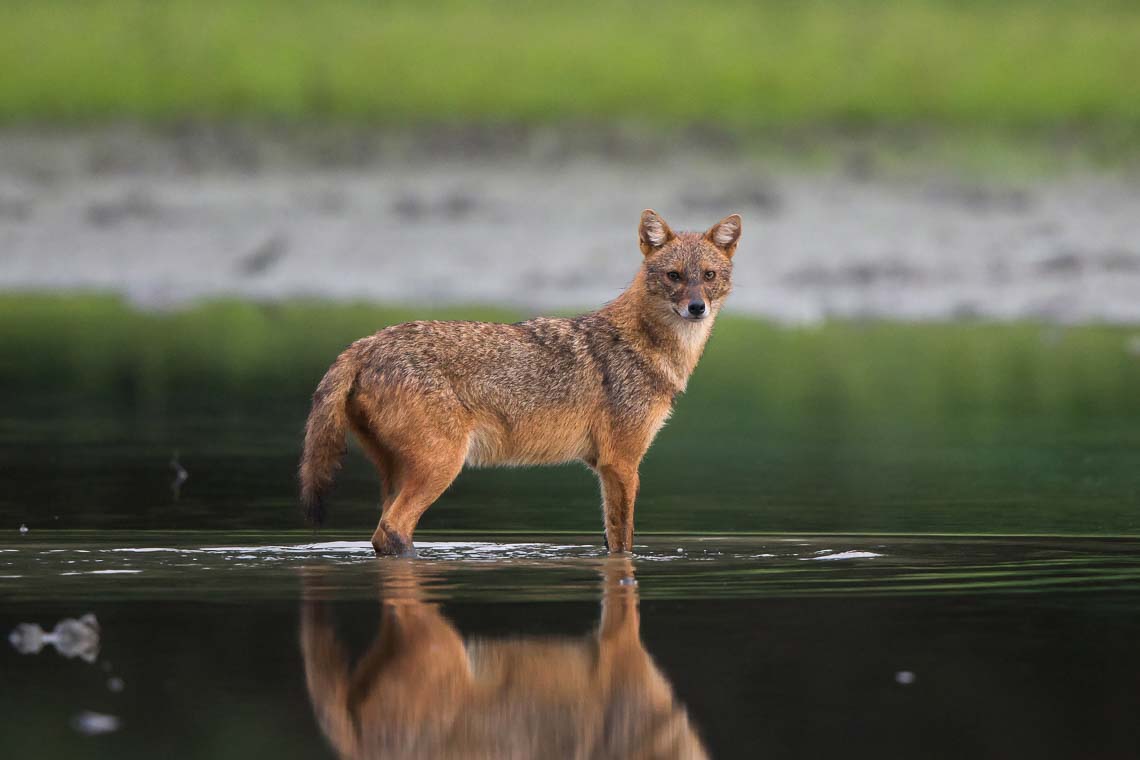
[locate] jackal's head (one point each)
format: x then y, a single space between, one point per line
688 273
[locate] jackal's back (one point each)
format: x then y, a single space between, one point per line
514 369
536 391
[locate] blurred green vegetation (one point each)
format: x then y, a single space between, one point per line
89 344
1024 63
877 427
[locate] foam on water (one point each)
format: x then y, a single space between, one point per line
425 549
842 555
164 560
483 551
565 567
102 572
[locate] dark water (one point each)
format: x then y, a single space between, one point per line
780 646
867 540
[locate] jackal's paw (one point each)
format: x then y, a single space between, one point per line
388 543
617 546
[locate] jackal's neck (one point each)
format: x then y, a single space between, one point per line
673 344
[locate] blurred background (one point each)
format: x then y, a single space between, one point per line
935 330
936 322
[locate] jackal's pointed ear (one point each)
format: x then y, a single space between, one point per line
652 232
725 234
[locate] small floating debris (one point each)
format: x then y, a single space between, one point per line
115 684
23 529
180 476
93 724
905 677
71 637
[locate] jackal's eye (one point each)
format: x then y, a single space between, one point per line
675 276
710 275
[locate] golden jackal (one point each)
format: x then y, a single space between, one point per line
425 398
422 691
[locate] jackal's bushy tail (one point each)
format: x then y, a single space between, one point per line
324 437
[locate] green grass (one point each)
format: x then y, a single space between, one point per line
1019 64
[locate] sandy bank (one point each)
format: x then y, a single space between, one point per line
168 220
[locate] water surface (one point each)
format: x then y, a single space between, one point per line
857 539
218 645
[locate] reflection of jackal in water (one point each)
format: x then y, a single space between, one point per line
422 692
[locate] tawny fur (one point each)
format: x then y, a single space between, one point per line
426 398
421 691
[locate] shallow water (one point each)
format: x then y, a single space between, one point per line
858 539
225 645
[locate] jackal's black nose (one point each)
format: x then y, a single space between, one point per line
697 308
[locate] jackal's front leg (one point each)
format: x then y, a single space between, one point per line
619 492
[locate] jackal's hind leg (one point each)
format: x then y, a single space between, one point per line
423 476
